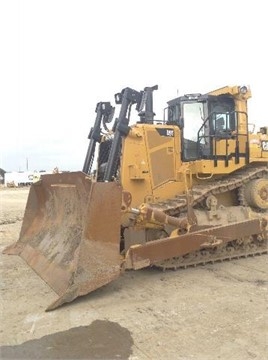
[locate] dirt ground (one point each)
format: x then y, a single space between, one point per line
210 312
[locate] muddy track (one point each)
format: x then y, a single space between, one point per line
230 251
199 193
243 247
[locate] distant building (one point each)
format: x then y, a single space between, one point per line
23 178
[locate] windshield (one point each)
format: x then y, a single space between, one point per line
193 116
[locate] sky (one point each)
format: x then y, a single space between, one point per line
59 58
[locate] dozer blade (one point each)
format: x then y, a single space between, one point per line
70 234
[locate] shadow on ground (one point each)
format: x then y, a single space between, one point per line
100 340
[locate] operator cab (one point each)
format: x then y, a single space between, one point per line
204 120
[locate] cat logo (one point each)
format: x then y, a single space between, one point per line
170 132
165 132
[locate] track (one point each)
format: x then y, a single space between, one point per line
240 248
232 250
199 193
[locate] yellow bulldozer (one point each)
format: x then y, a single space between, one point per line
188 189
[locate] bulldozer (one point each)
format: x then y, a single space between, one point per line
189 189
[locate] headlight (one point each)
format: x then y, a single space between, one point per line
243 90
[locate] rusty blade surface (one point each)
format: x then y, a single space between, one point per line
64 236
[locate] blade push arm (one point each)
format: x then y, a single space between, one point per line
126 98
104 112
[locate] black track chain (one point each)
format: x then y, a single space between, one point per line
202 257
199 193
178 205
